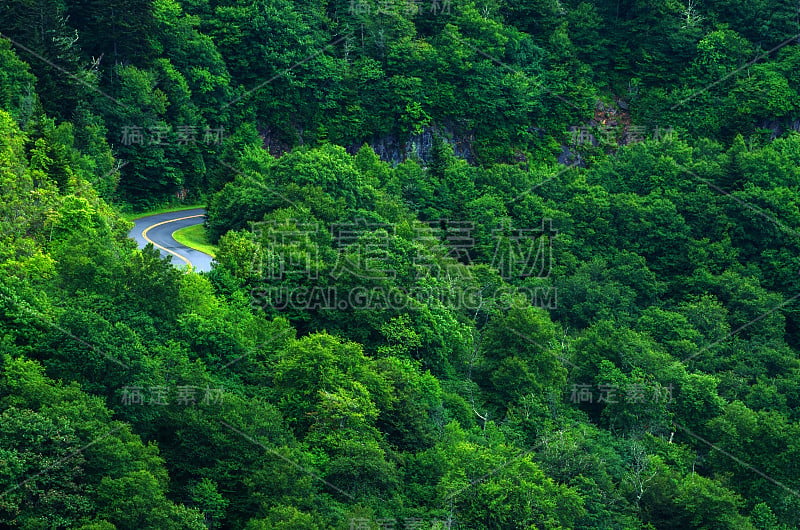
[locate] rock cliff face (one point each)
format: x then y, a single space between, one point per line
611 120
778 127
395 149
392 148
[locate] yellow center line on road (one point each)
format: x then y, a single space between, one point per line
144 235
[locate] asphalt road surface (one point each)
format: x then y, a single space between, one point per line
157 229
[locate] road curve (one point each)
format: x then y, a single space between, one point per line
157 229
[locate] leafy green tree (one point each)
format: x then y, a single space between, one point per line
98 465
492 485
138 128
115 32
17 94
43 32
764 440
519 357
413 418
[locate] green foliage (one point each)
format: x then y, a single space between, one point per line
46 425
632 364
17 94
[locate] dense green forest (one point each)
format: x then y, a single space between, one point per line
482 264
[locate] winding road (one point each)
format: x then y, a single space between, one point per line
158 229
